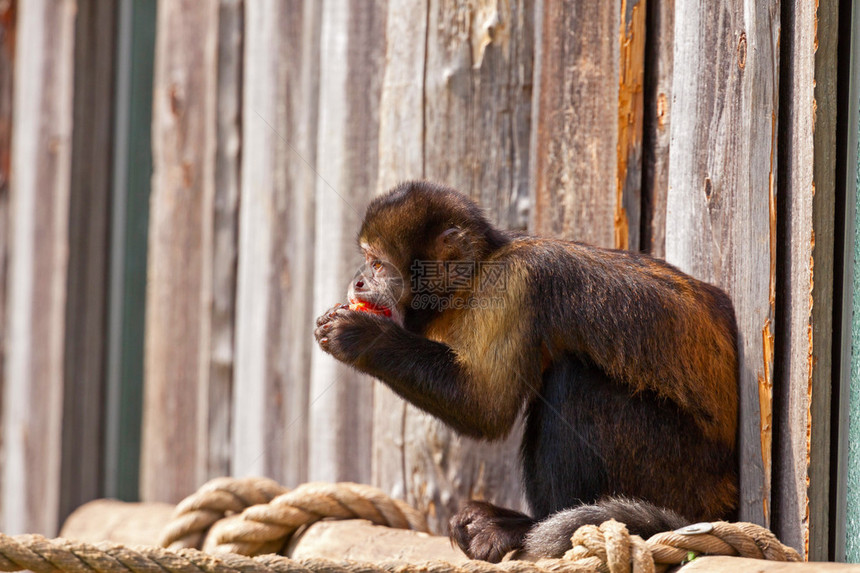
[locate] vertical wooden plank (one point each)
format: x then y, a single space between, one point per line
179 290
132 175
477 92
628 174
801 475
7 67
721 215
352 54
401 156
659 53
89 219
824 204
846 519
276 239
576 138
39 210
216 437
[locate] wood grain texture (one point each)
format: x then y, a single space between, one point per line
721 222
216 435
659 55
401 156
352 57
89 222
576 125
38 251
179 279
276 240
628 174
470 81
477 97
801 472
7 67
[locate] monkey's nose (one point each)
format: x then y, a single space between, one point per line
359 284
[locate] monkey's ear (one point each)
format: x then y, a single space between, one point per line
454 244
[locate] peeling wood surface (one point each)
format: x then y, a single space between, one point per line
576 138
628 200
824 204
276 240
89 222
801 475
718 223
341 410
37 272
179 279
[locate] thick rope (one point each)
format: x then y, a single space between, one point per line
610 548
238 523
605 549
214 501
267 526
42 555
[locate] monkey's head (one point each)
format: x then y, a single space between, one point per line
413 238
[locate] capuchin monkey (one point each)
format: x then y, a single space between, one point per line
625 368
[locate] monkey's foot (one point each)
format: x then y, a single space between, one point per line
486 531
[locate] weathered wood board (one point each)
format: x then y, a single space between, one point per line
575 146
807 157
659 58
276 240
341 409
721 214
179 274
37 273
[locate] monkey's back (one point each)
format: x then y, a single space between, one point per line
642 372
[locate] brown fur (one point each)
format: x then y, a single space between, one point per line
647 353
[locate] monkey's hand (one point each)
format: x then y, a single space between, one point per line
349 334
486 531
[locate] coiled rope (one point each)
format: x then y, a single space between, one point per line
254 524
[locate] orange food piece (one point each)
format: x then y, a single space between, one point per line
361 306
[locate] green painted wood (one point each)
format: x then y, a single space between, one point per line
850 551
130 220
847 507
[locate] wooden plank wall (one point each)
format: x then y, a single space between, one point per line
681 127
342 108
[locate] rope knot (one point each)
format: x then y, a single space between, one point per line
610 548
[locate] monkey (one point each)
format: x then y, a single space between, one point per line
624 367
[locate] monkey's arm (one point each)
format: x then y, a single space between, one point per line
422 371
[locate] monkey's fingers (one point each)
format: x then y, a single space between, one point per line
328 315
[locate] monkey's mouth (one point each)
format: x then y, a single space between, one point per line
371 307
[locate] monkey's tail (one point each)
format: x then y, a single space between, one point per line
551 537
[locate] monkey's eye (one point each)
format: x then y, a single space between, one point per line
376 265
